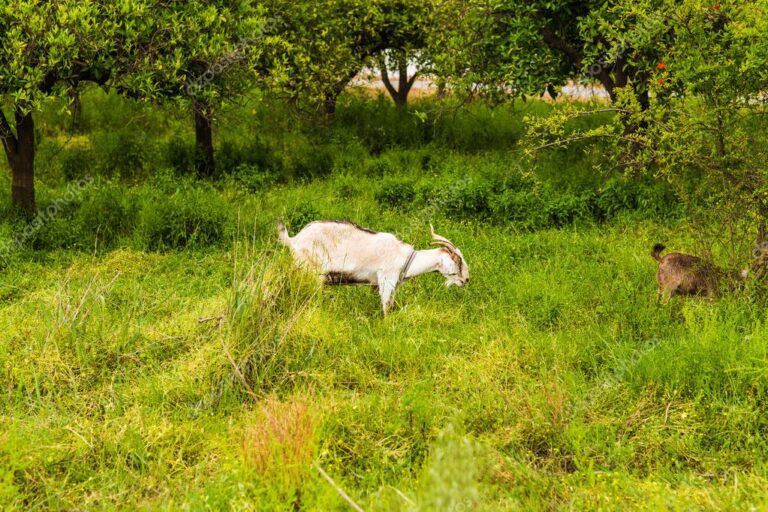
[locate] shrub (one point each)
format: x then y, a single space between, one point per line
615 196
302 215
565 208
379 167
347 186
180 155
522 207
465 198
255 154
252 178
123 153
105 214
313 161
190 217
77 163
395 193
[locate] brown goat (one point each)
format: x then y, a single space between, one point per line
684 274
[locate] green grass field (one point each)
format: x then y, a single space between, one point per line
158 350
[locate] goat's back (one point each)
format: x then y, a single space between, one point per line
685 274
340 246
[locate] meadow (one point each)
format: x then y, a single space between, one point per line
158 350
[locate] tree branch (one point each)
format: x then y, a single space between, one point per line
413 78
385 76
563 142
557 43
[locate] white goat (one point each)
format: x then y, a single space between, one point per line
345 253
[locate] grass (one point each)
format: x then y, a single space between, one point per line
204 372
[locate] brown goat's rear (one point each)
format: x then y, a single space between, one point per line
684 274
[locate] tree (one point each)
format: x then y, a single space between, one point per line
404 38
705 124
199 53
515 47
323 47
41 45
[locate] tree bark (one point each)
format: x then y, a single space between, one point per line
20 151
329 103
441 90
332 94
76 110
204 159
404 84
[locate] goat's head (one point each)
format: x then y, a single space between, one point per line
452 263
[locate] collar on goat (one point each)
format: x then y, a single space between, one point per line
407 265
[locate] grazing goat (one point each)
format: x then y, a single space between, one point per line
345 253
684 274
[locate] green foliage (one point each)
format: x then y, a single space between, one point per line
702 127
187 218
302 215
395 192
106 214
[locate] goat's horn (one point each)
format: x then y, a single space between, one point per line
440 240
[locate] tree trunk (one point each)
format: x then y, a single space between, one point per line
332 95
20 151
329 103
442 92
76 109
404 84
204 160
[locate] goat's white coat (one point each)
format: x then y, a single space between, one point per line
345 254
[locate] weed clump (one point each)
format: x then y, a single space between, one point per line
269 300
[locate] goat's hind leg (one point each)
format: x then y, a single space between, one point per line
664 295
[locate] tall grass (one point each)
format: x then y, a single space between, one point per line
262 331
154 357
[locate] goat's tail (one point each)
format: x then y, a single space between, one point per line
656 252
282 233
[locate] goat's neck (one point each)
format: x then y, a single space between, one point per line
425 261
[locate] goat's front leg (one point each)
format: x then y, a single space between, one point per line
387 287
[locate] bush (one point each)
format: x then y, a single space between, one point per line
395 193
566 208
123 153
255 154
77 163
106 214
522 207
379 167
180 155
189 218
313 162
379 125
347 186
252 178
302 215
615 196
465 198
